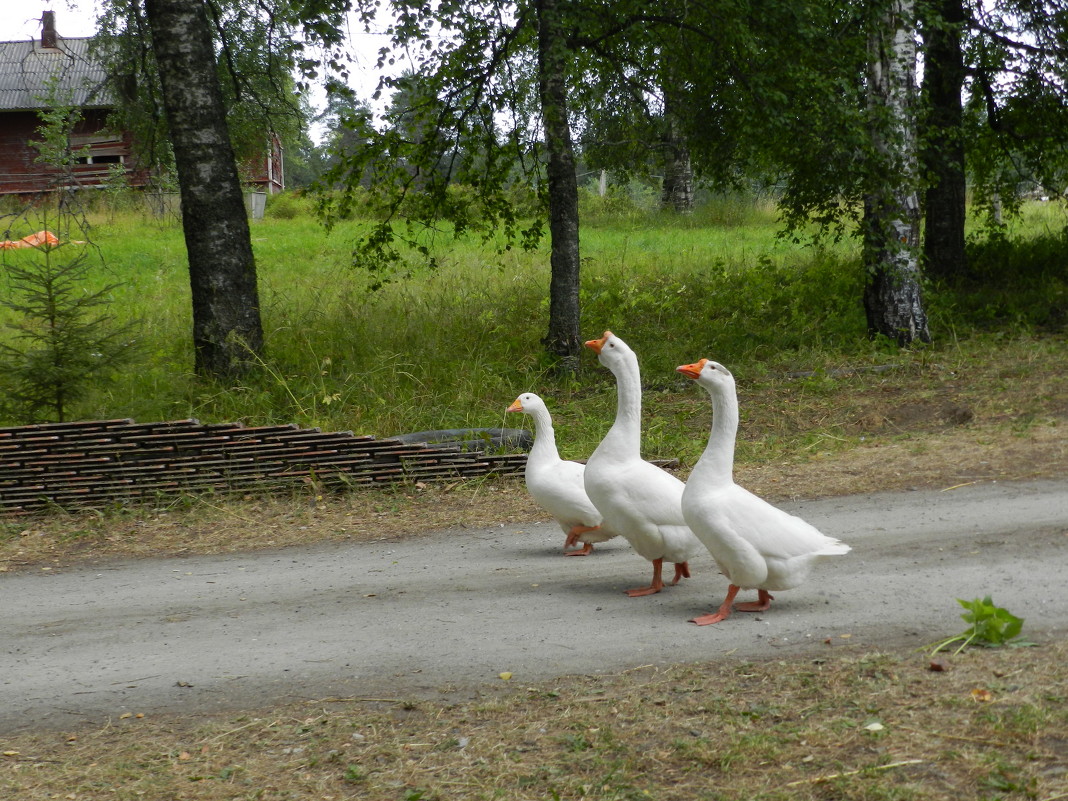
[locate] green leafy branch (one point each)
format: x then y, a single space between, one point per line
991 626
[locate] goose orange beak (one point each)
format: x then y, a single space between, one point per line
516 406
596 344
691 370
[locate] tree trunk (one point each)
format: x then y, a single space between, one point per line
892 298
562 341
677 190
944 75
227 332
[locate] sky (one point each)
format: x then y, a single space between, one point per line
22 20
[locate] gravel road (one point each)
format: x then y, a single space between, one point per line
453 610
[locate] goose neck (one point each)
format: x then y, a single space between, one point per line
628 404
718 458
544 435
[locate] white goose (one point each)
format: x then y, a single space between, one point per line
756 545
636 498
556 484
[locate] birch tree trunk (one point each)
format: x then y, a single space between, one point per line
677 190
562 341
892 298
227 332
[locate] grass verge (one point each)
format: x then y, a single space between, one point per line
987 724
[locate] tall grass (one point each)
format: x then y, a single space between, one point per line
451 348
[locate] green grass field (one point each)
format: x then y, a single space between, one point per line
451 348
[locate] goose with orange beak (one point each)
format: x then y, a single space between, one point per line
757 546
635 497
557 484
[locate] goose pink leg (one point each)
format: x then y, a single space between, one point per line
682 570
573 537
724 611
656 586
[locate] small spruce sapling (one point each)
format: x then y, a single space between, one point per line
63 340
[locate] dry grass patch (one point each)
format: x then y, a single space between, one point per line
843 725
933 461
210 524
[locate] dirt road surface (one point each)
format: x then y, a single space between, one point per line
453 610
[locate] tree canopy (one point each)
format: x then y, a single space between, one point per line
268 54
777 93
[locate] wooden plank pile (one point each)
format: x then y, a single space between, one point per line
78 464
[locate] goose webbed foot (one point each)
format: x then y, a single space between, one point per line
656 586
722 613
585 550
761 605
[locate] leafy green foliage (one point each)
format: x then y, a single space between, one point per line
261 47
288 206
991 626
1017 282
1016 112
52 139
439 163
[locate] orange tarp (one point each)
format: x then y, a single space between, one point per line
46 238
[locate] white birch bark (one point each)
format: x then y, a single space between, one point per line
892 297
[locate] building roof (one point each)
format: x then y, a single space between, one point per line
27 68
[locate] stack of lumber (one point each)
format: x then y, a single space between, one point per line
102 461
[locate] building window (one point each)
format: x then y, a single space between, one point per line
100 160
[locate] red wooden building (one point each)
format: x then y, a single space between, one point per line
35 74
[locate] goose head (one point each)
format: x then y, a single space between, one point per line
527 403
713 376
610 350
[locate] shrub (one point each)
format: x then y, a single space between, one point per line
289 206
